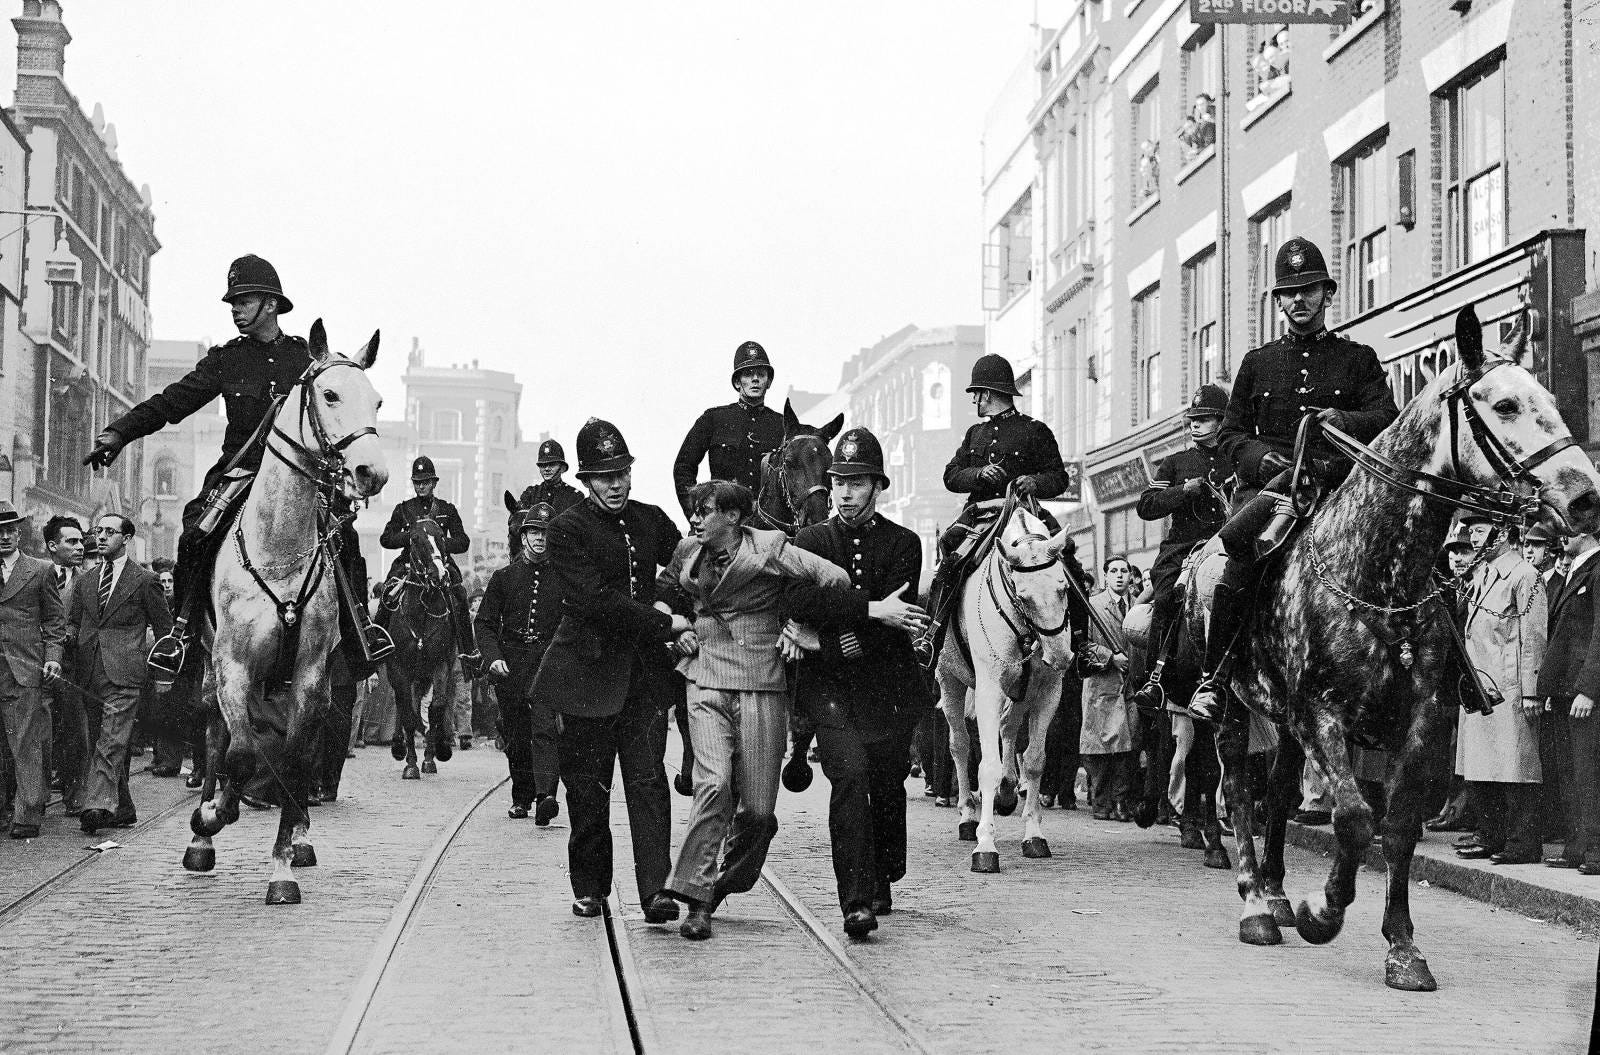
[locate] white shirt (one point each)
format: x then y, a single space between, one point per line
1577 562
10 563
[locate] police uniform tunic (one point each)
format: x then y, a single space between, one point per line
736 436
416 508
561 495
1020 445
516 622
1284 380
1195 517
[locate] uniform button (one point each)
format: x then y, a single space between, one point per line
1305 355
1302 408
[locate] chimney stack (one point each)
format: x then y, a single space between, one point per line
42 42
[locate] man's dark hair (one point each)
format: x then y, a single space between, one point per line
726 497
53 526
1113 559
127 524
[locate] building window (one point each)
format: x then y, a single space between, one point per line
1364 188
1147 140
1201 296
1008 258
1198 129
1269 66
166 478
1147 351
1126 533
447 425
1268 230
1474 168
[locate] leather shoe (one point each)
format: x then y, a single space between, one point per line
859 922
1589 868
588 907
1560 862
517 812
163 771
697 926
1313 818
1475 853
125 820
24 831
883 902
1465 840
545 810
92 821
660 908
194 780
1507 858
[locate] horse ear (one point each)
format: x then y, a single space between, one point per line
1057 543
368 354
791 424
511 503
1519 336
318 341
1469 339
831 429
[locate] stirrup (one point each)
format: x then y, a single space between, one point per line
471 664
1151 696
1208 704
168 654
922 647
376 643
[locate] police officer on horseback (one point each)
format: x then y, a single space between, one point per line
452 539
251 373
1010 448
551 488
1308 371
737 435
1189 488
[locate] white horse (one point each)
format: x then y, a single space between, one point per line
274 595
1012 616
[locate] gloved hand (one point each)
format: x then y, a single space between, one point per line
1025 486
1273 463
1334 417
106 447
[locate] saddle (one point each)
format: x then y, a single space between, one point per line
978 539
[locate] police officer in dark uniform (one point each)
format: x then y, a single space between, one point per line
551 488
1189 488
248 372
863 690
425 505
1307 371
516 623
1010 447
736 436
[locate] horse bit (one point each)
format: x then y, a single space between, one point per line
787 527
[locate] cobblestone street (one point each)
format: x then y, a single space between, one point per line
1120 942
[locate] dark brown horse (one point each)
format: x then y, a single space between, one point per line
1351 641
424 648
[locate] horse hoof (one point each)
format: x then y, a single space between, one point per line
429 767
1191 839
410 773
1408 972
987 862
1217 857
1035 847
397 749
442 750
683 784
1005 799
283 892
1318 928
305 856
1144 814
1260 930
1281 911
200 858
967 831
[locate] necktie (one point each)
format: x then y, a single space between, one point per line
61 579
105 585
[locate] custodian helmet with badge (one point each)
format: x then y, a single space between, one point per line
422 469
251 274
751 356
550 453
858 453
1300 264
1209 401
601 449
538 517
993 372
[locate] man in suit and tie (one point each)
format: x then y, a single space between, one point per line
31 635
731 577
69 727
1543 548
108 615
1107 741
1570 679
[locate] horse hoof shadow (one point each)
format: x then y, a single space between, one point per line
1408 972
1282 912
283 892
985 861
200 858
1217 857
1035 847
967 831
1260 930
429 767
1318 928
410 773
305 856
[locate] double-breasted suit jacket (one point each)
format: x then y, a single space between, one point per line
32 620
115 636
1506 619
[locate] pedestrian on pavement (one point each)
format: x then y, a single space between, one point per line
863 689
1543 548
603 674
1570 678
1107 742
736 435
108 615
69 740
32 630
517 621
1506 620
730 578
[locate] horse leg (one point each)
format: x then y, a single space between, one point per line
1283 788
1203 772
1039 718
1319 922
1005 796
986 858
1256 925
431 726
282 887
953 698
1419 774
314 702
407 719
1154 733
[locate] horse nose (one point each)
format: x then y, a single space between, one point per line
367 480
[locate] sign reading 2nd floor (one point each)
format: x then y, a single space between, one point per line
1326 12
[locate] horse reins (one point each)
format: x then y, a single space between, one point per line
787 527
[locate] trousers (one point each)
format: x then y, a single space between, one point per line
532 754
1508 817
26 719
739 742
111 729
866 809
1583 784
333 738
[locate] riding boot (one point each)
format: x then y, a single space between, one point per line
461 625
927 645
1151 696
376 644
1228 612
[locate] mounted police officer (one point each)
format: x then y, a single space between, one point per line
1009 448
736 436
250 373
1189 488
551 489
1307 371
425 505
516 623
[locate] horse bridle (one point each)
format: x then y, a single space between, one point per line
788 527
1035 631
325 464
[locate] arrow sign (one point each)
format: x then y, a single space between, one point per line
1325 12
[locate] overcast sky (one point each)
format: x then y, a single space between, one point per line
603 198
